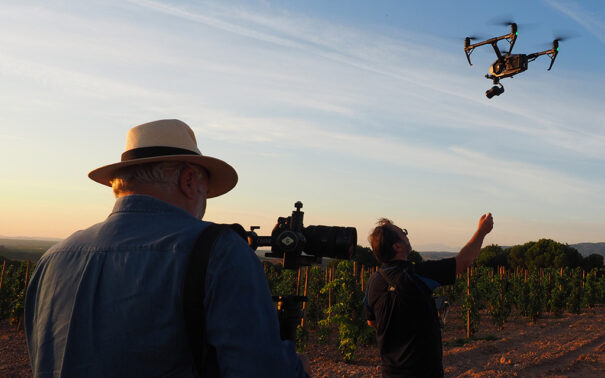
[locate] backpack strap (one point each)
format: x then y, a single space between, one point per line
392 286
204 355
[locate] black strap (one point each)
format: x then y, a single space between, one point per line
392 286
204 355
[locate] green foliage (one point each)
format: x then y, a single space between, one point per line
530 294
302 339
347 309
323 331
415 257
493 256
500 300
484 285
522 294
558 293
470 305
536 302
544 253
316 301
281 281
12 293
591 290
574 299
600 284
592 261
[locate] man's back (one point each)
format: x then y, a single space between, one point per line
108 300
407 328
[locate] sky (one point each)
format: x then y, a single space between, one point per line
358 109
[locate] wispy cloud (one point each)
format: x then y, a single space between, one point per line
500 175
578 13
393 62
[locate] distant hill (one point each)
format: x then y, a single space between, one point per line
24 249
437 255
587 249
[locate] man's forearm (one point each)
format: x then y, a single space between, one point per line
469 252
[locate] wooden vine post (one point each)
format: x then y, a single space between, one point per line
298 282
304 304
26 275
2 276
468 310
361 274
330 294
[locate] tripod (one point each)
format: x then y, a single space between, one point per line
289 313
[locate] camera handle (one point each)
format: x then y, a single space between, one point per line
289 313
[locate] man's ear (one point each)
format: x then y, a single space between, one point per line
187 183
397 246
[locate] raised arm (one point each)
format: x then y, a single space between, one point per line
470 251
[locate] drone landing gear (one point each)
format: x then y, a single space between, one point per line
495 90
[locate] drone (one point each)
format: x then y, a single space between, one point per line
507 64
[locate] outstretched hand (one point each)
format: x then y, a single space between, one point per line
486 223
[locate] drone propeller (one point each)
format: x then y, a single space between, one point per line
564 37
475 37
556 39
503 22
508 21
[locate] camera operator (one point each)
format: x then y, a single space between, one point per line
399 301
108 300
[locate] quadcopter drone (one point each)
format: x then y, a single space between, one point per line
507 64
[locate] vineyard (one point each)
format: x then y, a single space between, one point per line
13 282
333 312
335 294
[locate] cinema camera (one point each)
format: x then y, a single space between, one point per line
288 240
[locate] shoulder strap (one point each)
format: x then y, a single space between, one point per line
392 286
204 355
193 295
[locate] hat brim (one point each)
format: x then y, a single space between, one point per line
222 178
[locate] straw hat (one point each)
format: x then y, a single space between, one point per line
168 140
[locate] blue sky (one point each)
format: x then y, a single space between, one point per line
358 109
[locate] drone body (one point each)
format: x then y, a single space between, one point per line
507 64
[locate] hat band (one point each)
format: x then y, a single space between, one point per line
147 152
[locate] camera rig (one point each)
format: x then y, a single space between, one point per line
288 240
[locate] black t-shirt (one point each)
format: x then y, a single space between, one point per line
407 326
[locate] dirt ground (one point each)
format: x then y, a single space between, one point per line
569 346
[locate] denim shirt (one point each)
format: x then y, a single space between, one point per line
107 301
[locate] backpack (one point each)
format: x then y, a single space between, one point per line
441 303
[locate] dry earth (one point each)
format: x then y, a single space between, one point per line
569 346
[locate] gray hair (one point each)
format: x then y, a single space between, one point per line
164 173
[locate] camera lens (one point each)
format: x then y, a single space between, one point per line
326 241
494 91
491 92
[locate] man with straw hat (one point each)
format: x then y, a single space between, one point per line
109 300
